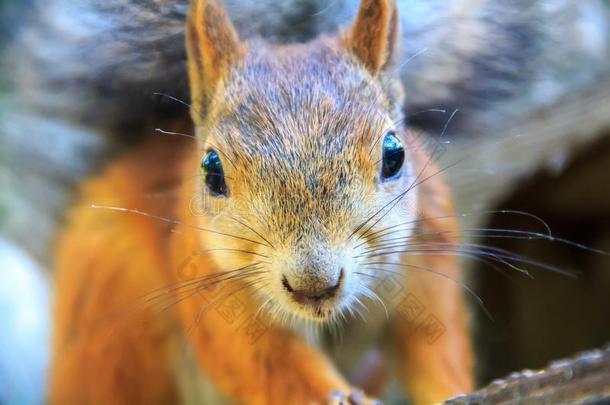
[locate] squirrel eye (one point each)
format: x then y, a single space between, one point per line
211 168
393 156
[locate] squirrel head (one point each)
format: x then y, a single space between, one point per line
304 157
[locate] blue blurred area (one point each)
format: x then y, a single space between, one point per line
12 14
24 331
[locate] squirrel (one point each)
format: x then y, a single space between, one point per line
309 178
278 174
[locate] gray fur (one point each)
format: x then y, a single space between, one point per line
101 61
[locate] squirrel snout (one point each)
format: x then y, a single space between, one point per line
314 292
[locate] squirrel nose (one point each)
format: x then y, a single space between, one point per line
314 294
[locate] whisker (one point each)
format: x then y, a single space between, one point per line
455 252
262 306
536 235
482 249
176 99
238 251
439 110
496 268
425 236
168 300
485 233
468 214
253 230
164 132
367 292
167 290
360 314
528 235
210 305
172 287
497 257
448 122
197 290
364 223
171 221
201 285
410 58
471 292
422 237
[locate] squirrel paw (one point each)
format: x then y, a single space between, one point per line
354 397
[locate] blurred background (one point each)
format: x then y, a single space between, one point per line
532 134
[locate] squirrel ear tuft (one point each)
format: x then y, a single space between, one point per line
372 37
212 47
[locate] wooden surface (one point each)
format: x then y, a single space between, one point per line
584 379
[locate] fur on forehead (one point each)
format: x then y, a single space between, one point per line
293 93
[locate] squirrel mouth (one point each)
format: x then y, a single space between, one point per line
319 302
318 307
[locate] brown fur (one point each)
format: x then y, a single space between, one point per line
373 36
212 46
297 128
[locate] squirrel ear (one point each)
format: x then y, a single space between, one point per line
372 38
212 46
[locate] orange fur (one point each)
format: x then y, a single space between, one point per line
102 352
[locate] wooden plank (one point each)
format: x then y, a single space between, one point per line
584 379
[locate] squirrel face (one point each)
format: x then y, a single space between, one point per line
303 154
